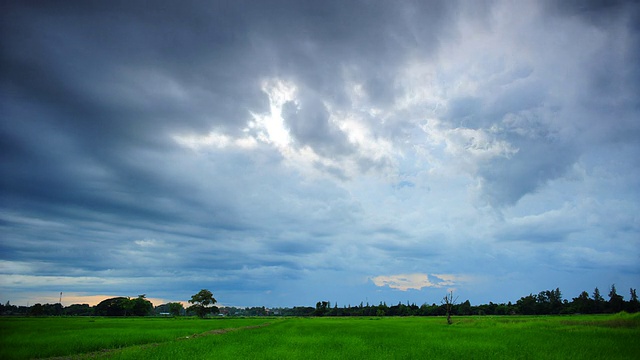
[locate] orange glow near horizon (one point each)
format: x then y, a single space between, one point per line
93 300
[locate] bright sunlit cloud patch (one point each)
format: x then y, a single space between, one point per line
416 281
368 151
92 300
469 145
215 140
271 127
267 128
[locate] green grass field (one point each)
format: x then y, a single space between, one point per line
509 337
27 338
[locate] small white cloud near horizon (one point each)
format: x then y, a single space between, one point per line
416 281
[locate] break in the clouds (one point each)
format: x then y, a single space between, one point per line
280 153
417 281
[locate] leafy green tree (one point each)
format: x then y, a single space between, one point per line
582 304
79 310
633 304
140 306
52 309
616 302
598 301
117 306
201 303
386 310
543 303
36 310
7 309
556 301
527 305
111 307
464 308
175 308
337 311
321 308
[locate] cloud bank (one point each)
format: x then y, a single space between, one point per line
281 152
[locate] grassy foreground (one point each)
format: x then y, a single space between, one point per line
27 338
509 337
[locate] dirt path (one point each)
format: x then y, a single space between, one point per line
222 331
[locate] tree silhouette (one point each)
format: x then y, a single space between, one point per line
448 301
616 301
598 300
633 302
201 302
175 308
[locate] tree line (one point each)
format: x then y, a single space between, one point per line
548 302
119 306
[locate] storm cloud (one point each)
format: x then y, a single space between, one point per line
283 152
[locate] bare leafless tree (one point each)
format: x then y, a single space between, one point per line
448 301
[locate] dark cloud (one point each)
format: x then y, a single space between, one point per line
134 159
309 123
597 12
124 76
541 155
550 124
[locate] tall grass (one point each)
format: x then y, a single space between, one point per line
545 337
26 338
590 337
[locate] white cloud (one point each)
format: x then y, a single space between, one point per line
370 151
216 140
271 127
145 243
417 281
16 267
470 148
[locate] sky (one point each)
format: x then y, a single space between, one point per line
280 153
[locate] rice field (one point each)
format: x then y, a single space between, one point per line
506 337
